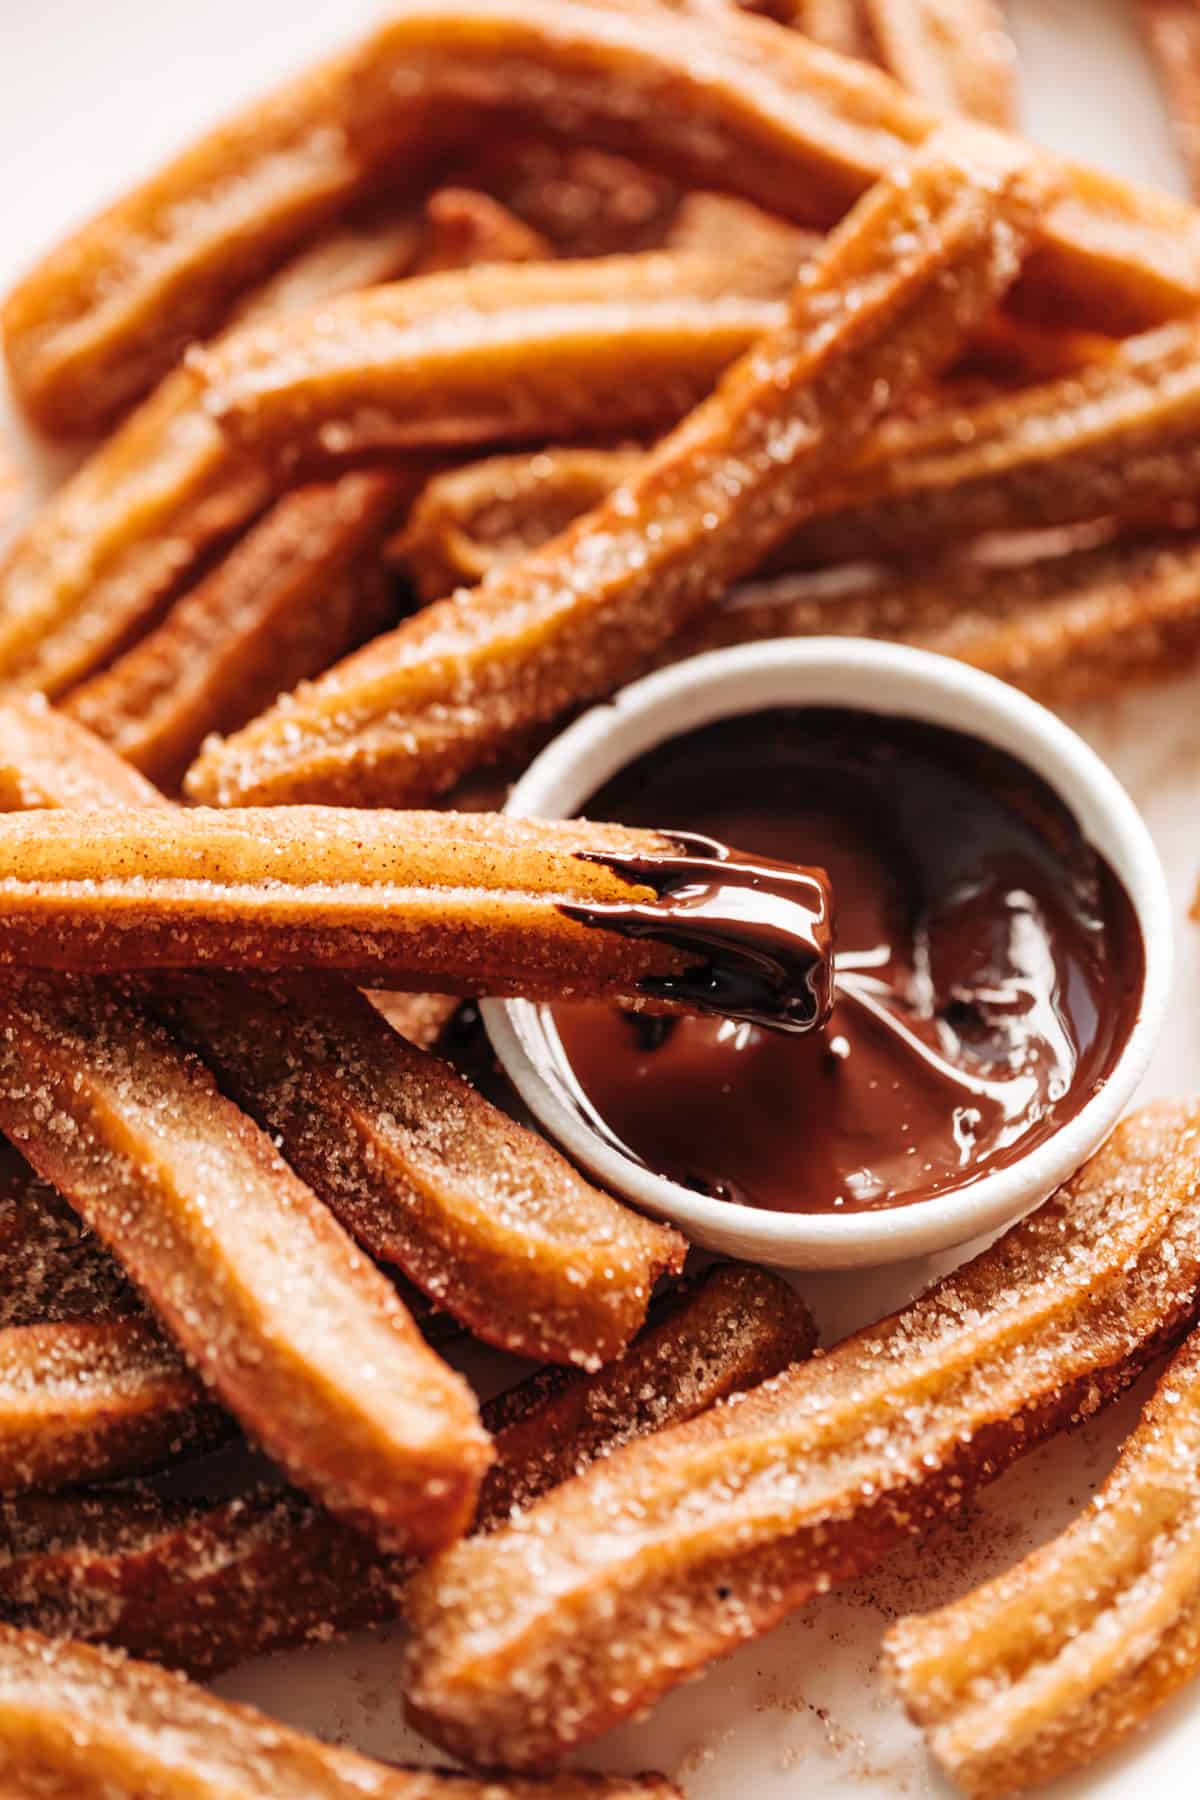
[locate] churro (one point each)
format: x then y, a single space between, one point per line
496 352
204 1585
51 1267
1072 627
473 903
91 1724
955 54
1171 29
788 125
464 226
487 1220
91 1398
486 1216
615 1588
1053 1663
1112 438
583 202
301 589
304 1342
889 298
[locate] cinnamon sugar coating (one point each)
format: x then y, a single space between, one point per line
1062 1657
615 1588
205 1585
743 104
889 299
304 1342
88 1724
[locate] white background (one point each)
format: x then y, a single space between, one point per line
90 95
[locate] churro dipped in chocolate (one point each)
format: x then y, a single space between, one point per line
91 1724
474 903
615 1588
787 125
1053 1663
204 1585
484 1215
301 589
888 300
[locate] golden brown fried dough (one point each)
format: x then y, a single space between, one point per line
86 1724
422 364
615 1588
1114 438
1171 29
1049 1666
303 1341
472 903
423 1171
890 297
954 54
205 1585
301 589
464 226
489 1221
88 1399
787 125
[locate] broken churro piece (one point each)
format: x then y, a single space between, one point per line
1053 1663
618 1586
205 1585
889 298
301 589
788 125
90 1723
485 1215
303 1341
474 903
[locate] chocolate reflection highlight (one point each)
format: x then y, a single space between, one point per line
762 931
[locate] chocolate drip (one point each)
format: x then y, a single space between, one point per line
761 930
989 967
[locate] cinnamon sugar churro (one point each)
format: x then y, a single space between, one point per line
304 1342
205 1585
51 1267
955 54
524 351
92 1398
301 589
613 1589
786 124
91 1724
1055 1662
473 903
889 299
1112 438
483 1214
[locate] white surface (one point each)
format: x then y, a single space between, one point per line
832 671
91 95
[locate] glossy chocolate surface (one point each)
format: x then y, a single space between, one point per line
989 968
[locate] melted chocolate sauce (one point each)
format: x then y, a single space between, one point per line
989 968
761 931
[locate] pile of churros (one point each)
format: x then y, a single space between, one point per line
506 355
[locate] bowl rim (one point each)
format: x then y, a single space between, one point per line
885 678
